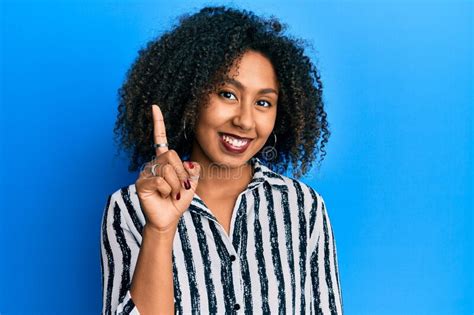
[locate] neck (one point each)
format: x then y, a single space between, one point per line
221 181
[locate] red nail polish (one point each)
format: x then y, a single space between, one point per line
178 196
187 184
191 165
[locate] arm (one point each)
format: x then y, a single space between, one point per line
152 286
153 272
326 291
118 251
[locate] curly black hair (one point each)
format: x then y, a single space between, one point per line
181 67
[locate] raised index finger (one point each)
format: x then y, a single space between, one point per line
159 130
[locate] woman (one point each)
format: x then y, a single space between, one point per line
224 231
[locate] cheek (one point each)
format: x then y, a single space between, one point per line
267 123
207 125
215 114
219 113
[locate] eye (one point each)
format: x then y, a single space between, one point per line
269 104
226 92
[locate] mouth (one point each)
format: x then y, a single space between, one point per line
233 143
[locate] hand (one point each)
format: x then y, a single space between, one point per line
165 197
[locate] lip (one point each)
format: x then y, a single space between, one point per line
228 147
235 136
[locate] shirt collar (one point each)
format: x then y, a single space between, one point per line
258 173
261 174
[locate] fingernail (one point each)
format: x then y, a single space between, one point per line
178 196
191 165
187 184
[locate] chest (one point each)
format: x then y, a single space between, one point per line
222 209
264 267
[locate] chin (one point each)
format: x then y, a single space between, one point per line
232 160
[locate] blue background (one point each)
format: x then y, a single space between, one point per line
397 180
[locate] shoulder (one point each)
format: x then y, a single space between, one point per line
305 194
312 199
124 204
304 198
125 190
124 196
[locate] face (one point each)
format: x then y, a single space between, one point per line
240 116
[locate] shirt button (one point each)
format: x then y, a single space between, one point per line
236 306
232 258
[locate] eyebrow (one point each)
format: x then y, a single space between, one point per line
242 87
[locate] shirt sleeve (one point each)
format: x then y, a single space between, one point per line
118 250
326 295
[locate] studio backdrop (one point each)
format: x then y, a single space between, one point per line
397 179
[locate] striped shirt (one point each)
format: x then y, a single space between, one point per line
279 256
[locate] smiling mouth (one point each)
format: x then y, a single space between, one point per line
234 144
234 140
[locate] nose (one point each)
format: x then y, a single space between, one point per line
244 117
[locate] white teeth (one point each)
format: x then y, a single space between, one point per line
234 142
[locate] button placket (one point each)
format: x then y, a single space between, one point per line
237 278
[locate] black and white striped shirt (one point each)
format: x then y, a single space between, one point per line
279 256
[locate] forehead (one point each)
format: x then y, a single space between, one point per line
254 70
